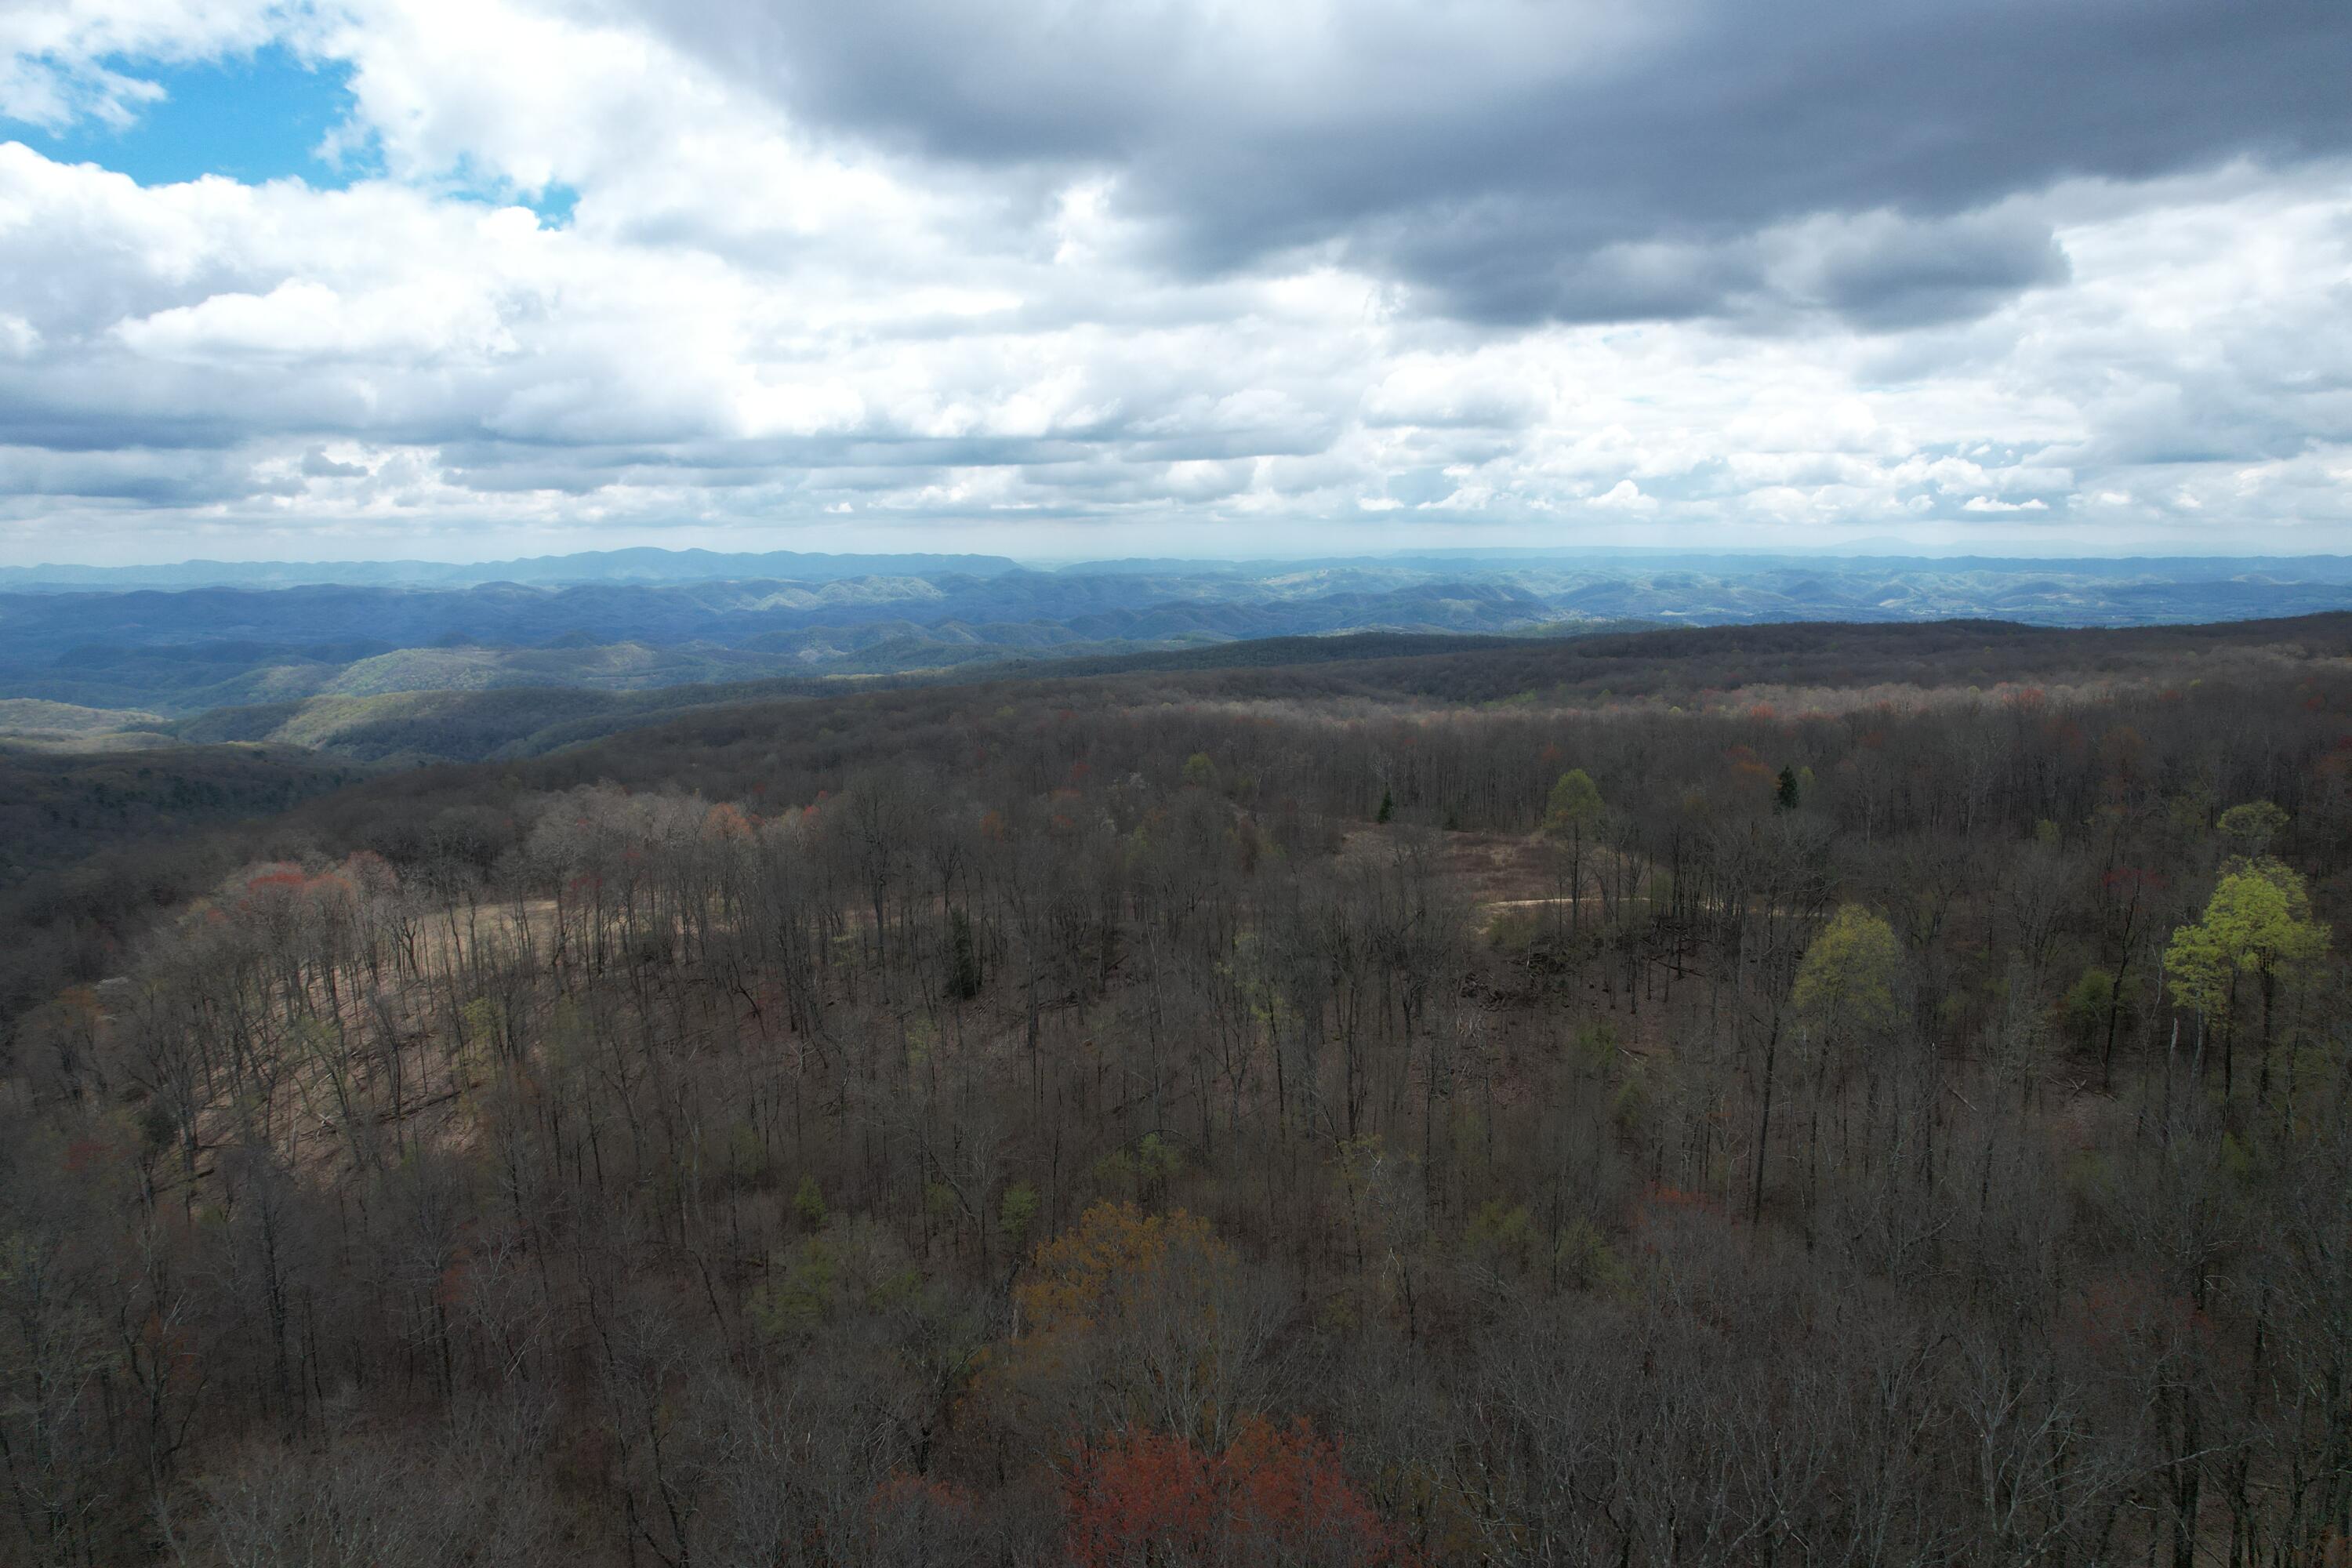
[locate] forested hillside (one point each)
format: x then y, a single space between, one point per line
181 641
1782 1094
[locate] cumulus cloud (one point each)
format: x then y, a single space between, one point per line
1623 496
1579 161
58 60
1194 273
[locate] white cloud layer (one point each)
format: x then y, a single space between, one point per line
786 311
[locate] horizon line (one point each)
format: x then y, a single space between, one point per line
1859 550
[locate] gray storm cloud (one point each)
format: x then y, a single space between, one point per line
1581 161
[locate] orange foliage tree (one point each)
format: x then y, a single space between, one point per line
1116 1257
1135 1321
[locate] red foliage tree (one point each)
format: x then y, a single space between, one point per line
1275 1495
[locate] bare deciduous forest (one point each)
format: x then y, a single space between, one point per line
1789 1095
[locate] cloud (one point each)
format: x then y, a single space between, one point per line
60 60
318 464
1880 272
1189 272
1587 162
1623 496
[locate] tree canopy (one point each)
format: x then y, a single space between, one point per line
1846 981
2258 921
1575 806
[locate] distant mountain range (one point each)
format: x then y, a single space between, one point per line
650 564
640 620
639 566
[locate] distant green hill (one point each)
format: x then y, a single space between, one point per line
520 721
635 621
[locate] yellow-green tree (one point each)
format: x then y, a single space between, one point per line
1845 982
2257 923
2254 826
1574 810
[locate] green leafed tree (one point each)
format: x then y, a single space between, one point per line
2253 827
1575 806
2257 923
1846 984
1574 811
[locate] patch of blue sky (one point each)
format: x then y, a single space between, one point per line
267 115
468 182
553 205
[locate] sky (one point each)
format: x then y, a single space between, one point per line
329 279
